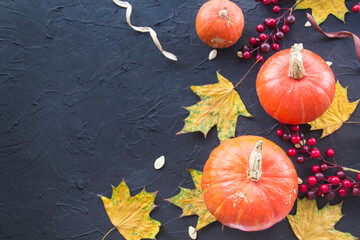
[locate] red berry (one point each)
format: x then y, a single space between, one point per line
290 19
315 168
342 192
319 176
245 48
274 2
286 137
261 58
303 187
311 180
252 41
257 0
266 2
311 141
346 183
329 152
324 188
265 47
246 55
263 36
330 195
270 22
300 159
275 46
358 176
276 9
356 8
311 195
341 174
305 149
295 139
279 132
285 29
315 153
279 35
324 167
292 152
295 128
355 191
335 181
260 28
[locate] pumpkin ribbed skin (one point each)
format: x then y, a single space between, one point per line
213 29
239 202
295 101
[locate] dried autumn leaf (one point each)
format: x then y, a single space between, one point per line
131 215
220 105
338 112
310 223
322 8
192 202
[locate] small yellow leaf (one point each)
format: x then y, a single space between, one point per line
338 112
220 105
322 8
131 215
310 223
192 202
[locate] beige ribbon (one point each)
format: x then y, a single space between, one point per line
153 35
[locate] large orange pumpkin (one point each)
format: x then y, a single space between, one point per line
219 23
249 183
295 86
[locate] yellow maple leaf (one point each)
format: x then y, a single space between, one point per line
131 215
338 112
192 202
310 223
220 105
322 8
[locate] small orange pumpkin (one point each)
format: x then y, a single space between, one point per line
295 86
219 23
249 183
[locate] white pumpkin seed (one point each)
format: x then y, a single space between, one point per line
307 24
192 232
329 63
159 163
300 181
212 54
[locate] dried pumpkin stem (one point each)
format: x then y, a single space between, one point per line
254 171
223 14
296 66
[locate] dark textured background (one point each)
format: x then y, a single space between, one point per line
86 101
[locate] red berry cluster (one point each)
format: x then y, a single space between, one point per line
356 8
318 184
260 45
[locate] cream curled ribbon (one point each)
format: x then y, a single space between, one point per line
153 34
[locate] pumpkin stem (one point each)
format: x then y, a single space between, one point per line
296 66
254 171
223 14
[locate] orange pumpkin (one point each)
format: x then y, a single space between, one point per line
249 183
295 86
219 23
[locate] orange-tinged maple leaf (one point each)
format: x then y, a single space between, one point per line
338 112
131 215
192 202
310 223
322 8
220 105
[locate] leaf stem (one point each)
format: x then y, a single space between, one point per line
350 170
352 122
246 73
108 232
